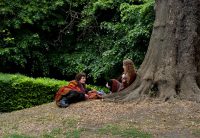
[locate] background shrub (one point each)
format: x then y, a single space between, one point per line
18 91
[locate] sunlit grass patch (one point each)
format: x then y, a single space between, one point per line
17 136
76 133
126 132
196 133
53 133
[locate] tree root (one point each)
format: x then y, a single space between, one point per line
190 89
138 92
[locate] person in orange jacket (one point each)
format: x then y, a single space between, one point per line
75 91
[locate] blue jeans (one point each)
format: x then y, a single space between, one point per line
71 97
64 102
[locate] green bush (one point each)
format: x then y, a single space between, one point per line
18 91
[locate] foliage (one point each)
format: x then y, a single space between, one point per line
30 30
59 38
124 33
18 91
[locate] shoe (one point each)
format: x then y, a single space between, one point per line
64 102
101 92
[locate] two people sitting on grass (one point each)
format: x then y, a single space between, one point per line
75 91
126 79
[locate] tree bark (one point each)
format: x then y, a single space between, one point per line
171 68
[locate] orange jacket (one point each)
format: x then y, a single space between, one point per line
73 85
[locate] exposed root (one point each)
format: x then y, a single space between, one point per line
167 91
137 93
193 84
190 89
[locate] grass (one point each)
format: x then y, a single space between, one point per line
53 133
71 130
103 120
17 136
125 132
196 133
76 133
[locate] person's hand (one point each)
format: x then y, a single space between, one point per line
107 86
86 96
89 92
123 80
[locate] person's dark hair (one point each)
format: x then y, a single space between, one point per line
79 76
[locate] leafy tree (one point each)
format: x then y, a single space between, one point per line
59 38
171 66
123 33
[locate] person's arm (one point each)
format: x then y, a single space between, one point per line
87 90
132 78
124 80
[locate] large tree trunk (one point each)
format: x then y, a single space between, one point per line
171 68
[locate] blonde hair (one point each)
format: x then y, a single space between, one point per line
129 64
130 69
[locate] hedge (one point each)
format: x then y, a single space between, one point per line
19 91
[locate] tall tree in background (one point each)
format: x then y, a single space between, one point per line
59 38
172 64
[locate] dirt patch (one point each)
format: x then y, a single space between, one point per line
162 119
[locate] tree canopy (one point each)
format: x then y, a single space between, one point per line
59 38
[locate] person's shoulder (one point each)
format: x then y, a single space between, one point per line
73 82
